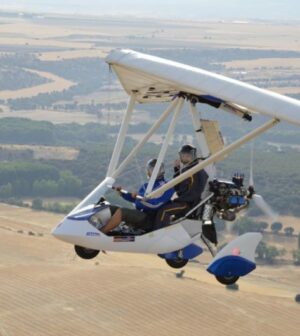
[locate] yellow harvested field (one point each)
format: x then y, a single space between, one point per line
291 221
268 63
46 290
286 221
57 84
13 217
37 42
260 35
56 117
45 152
19 27
285 90
71 54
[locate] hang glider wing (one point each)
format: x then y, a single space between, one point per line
154 79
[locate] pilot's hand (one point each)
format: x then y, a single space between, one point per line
251 191
118 189
177 163
133 195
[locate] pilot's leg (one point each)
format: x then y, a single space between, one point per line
164 213
136 219
114 221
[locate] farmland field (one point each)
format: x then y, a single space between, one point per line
47 290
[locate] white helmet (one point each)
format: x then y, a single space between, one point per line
150 166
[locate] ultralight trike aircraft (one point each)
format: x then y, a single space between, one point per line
148 79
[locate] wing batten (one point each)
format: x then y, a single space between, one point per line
145 71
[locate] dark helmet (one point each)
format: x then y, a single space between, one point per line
189 149
150 166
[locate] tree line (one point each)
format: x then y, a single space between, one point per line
23 179
276 174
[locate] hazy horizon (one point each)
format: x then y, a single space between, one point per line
188 9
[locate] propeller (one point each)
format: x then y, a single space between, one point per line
258 199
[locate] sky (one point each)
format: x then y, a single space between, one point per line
177 9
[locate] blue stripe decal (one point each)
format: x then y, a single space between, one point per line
189 252
231 266
86 214
213 99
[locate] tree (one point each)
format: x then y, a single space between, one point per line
246 224
261 250
68 184
263 226
276 227
298 241
289 231
296 257
47 188
37 204
273 252
268 253
6 191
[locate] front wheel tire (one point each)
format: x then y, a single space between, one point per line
85 253
177 263
227 280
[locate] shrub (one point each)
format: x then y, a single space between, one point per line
296 257
37 204
276 227
268 253
289 231
246 224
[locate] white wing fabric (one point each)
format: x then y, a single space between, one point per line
156 79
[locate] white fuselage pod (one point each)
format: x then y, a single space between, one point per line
172 238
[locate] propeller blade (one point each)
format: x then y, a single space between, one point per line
265 207
251 179
258 199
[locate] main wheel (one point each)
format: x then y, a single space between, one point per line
177 263
85 253
227 280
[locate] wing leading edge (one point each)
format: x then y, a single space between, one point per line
155 79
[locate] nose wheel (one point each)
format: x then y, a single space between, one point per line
85 253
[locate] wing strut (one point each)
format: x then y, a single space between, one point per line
147 136
214 158
121 137
165 145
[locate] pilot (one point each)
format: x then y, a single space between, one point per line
188 191
144 215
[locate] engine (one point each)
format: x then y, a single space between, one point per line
229 197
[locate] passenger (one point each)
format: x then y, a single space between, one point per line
188 191
144 215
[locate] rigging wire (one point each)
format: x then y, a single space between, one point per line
106 152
